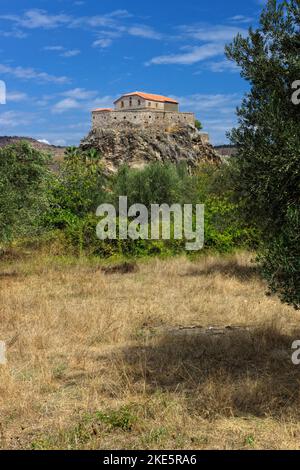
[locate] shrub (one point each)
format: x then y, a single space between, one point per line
198 125
157 183
78 189
24 177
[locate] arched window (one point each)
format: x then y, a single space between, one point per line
122 104
130 101
139 102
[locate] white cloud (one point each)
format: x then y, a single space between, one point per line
102 43
79 94
241 19
82 100
11 119
212 37
80 125
44 141
205 102
36 18
112 23
65 105
41 19
14 33
143 31
71 53
215 33
31 74
223 66
16 96
100 102
53 48
64 52
110 20
196 54
120 14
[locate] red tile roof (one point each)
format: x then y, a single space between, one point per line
150 97
103 109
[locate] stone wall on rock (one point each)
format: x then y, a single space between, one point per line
143 118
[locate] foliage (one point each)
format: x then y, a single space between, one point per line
198 125
63 205
157 183
122 418
24 176
280 260
267 174
225 228
78 189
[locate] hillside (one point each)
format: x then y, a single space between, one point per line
56 151
226 150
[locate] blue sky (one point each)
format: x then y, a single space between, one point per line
60 59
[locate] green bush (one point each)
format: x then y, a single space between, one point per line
226 225
122 418
81 235
24 178
198 125
225 229
78 189
157 183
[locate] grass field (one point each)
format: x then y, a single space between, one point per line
100 360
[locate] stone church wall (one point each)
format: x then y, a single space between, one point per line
145 118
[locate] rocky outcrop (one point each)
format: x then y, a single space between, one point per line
136 146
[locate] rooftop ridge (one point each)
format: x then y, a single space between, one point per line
149 96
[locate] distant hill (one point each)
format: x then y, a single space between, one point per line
226 150
56 151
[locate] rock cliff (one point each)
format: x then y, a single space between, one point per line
136 146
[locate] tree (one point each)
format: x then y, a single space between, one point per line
23 181
267 175
79 187
157 183
198 125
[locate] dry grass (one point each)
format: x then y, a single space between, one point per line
94 360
